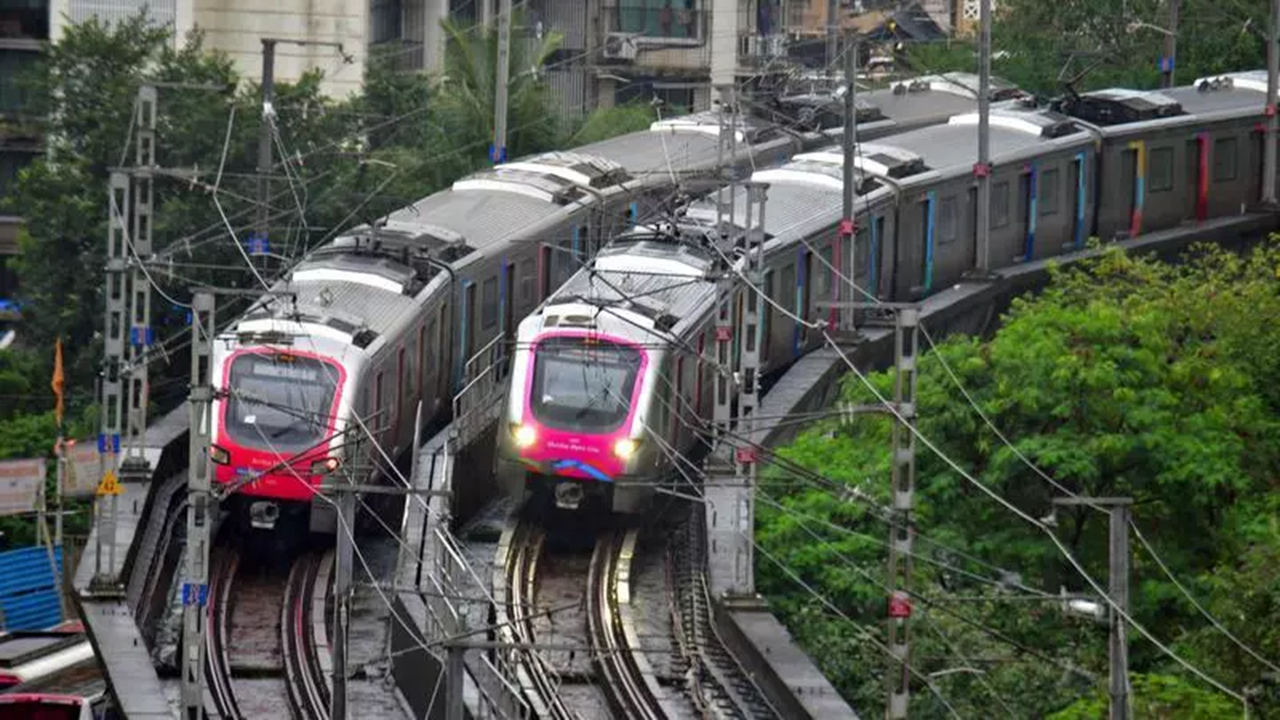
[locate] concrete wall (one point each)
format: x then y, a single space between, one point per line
237 27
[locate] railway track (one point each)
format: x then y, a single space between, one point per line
627 679
222 569
304 636
303 633
515 585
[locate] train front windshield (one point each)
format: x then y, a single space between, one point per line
279 401
583 385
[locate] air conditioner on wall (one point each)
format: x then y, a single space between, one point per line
620 46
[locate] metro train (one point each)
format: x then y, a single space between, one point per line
613 374
333 363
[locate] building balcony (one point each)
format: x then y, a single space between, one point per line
652 36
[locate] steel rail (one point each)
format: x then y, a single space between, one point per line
629 682
515 592
217 654
304 675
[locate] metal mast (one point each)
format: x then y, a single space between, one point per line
982 170
195 588
498 152
1273 123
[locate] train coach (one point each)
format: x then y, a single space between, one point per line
333 363
612 376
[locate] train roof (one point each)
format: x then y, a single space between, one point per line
944 150
1118 111
644 272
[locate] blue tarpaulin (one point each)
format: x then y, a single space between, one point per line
28 589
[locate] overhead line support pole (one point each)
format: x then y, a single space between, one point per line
1118 511
111 393
848 226
1168 64
259 241
498 151
343 559
982 170
195 588
833 33
1273 122
901 534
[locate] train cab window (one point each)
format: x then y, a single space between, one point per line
279 402
1000 205
583 386
948 220
1224 159
1161 170
1050 192
489 304
527 282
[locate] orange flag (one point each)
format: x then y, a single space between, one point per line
58 379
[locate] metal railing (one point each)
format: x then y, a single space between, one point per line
476 404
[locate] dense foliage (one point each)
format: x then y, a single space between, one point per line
346 161
1127 377
1106 43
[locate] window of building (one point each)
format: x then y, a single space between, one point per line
659 18
1161 170
1000 205
1050 192
1224 159
489 304
385 20
948 220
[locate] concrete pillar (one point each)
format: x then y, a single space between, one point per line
724 41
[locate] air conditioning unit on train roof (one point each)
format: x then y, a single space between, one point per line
620 46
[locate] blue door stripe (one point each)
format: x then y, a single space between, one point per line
1081 190
1029 247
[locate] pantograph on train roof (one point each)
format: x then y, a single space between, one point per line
879 159
1037 123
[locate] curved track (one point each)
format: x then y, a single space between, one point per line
304 637
627 679
222 569
515 592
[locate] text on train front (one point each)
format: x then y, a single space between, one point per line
277 421
580 407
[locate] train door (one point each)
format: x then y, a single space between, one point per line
508 328
401 390
766 318
1026 211
805 279
1076 178
469 327
926 245
1129 188
544 272
1197 174
424 384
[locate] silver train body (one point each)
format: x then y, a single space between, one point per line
612 375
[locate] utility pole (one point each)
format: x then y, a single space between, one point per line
110 386
342 599
982 170
848 226
258 242
1273 123
901 534
1118 509
498 151
134 466
833 36
195 587
1168 63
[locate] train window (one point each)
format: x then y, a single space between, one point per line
826 276
423 334
379 403
1161 169
527 279
948 220
1049 192
1000 205
489 304
1224 159
785 292
402 380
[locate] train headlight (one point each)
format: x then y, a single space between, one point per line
219 455
625 448
326 466
523 435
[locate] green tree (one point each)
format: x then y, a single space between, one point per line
605 123
1124 377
